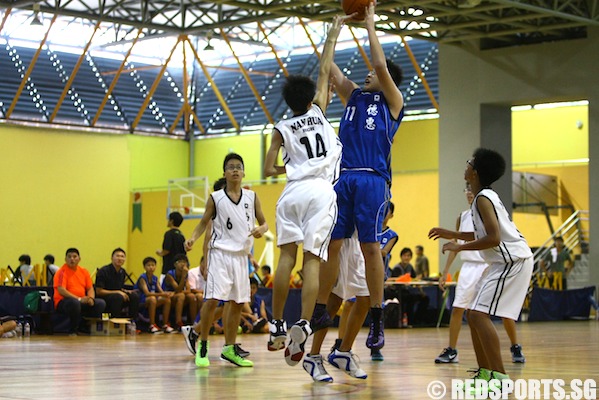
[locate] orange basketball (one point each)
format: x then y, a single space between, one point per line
355 6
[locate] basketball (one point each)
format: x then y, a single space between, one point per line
355 6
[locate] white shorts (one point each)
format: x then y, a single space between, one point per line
465 290
228 277
351 281
503 287
306 213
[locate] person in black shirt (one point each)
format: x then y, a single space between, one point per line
173 243
110 286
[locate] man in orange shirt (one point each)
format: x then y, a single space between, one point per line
74 293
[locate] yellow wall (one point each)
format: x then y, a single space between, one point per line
549 135
210 154
416 146
62 189
155 160
416 199
549 141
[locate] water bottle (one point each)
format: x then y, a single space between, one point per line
27 330
19 329
132 328
404 320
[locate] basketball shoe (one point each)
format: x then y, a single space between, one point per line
202 355
448 355
492 377
278 334
376 335
191 338
298 334
313 365
320 320
376 355
517 356
476 374
241 352
336 345
346 362
229 354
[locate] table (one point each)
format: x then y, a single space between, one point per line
440 297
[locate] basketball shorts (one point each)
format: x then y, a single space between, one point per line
503 287
228 277
306 213
362 200
351 281
465 290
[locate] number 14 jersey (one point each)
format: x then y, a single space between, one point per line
311 148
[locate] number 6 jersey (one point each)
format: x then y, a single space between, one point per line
311 148
233 222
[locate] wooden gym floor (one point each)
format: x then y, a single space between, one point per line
160 367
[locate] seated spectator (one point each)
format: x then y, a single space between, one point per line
51 269
409 297
74 294
404 266
24 271
110 285
8 328
253 314
151 296
175 281
197 283
267 278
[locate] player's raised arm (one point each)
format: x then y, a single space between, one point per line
322 84
379 63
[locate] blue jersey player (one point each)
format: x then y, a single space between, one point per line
371 118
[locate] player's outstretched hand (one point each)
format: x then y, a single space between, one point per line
442 280
369 13
439 233
450 246
257 232
189 244
340 20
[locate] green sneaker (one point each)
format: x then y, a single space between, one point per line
229 354
500 377
202 360
481 374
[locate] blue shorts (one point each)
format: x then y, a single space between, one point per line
362 199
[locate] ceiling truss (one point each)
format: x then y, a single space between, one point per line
493 23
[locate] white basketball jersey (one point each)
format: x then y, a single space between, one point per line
513 246
233 222
311 148
466 225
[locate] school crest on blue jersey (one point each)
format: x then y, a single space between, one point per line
372 110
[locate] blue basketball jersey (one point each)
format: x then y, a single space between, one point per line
366 132
152 286
386 236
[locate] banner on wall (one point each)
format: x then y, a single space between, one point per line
136 224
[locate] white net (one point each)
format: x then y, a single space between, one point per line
188 196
